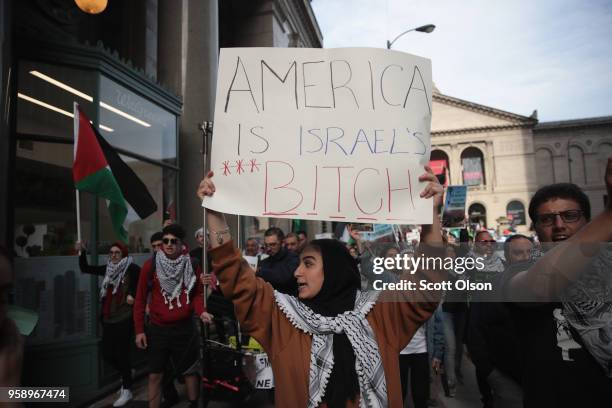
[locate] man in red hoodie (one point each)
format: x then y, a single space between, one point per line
176 294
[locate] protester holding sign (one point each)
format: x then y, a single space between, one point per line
354 338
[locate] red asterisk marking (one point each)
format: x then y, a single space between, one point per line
239 168
254 165
226 168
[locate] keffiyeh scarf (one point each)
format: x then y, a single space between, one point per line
114 275
173 275
353 323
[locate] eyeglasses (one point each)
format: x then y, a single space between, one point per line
569 216
170 241
272 245
115 252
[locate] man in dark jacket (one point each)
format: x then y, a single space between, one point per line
279 266
492 338
561 320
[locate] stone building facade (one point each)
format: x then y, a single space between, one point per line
517 155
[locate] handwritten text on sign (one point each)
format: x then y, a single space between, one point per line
337 134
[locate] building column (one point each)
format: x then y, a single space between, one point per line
489 164
187 62
455 165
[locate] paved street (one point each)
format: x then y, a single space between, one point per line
467 395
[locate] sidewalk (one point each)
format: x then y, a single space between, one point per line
467 395
258 400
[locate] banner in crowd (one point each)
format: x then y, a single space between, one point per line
453 215
338 134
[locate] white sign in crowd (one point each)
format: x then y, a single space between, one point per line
322 134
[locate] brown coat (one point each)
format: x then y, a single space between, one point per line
288 348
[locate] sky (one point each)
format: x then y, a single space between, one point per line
515 55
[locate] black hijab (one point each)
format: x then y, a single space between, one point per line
340 284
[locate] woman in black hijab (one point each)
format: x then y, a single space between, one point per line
333 345
341 281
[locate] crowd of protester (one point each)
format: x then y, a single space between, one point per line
543 339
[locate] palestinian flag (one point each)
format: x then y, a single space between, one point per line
99 170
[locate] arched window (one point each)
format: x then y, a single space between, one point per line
576 165
440 165
515 211
472 162
478 215
545 170
603 151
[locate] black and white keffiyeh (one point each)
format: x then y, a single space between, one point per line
353 323
174 275
114 274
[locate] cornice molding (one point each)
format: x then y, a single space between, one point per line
481 129
487 110
299 13
574 123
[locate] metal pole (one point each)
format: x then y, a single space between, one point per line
239 232
390 43
78 218
206 129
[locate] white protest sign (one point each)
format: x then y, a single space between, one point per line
264 378
322 134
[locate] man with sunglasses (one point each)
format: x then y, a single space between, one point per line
279 266
562 315
176 294
169 393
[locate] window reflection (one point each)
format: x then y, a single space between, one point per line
139 125
161 183
44 108
45 211
45 225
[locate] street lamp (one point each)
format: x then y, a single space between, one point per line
423 29
92 6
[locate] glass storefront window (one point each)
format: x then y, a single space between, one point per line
45 210
45 201
45 231
45 98
61 295
161 183
47 275
138 125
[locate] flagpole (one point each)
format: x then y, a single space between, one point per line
75 111
78 217
206 129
